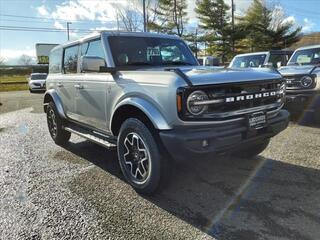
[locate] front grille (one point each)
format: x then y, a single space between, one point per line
294 82
238 99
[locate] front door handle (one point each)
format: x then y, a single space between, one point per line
78 86
59 85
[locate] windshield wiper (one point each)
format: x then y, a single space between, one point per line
177 63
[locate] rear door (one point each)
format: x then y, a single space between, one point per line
92 89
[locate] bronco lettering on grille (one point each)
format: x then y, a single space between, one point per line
252 96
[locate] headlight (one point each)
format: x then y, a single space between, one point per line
306 81
195 102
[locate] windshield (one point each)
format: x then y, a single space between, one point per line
38 76
281 59
249 61
149 51
305 57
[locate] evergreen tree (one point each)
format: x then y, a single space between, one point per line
215 20
170 17
263 32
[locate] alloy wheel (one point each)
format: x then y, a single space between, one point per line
137 158
52 124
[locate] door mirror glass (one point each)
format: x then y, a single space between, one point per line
91 64
279 64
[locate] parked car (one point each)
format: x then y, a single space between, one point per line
146 94
302 75
272 58
37 82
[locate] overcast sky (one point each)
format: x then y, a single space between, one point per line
98 14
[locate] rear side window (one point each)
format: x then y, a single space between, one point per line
93 48
55 61
70 59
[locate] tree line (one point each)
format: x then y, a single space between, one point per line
261 28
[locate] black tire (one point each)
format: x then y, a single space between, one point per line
55 126
146 176
252 150
317 116
31 91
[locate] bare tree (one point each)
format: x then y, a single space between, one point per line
130 17
25 59
2 60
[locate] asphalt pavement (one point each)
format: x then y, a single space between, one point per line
78 192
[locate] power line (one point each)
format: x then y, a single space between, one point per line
44 22
20 28
47 18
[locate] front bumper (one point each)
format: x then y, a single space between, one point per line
302 100
188 143
37 85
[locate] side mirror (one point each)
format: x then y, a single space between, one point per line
279 64
268 65
91 64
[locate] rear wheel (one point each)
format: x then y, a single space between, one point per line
58 134
252 150
141 162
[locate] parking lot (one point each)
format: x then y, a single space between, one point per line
50 192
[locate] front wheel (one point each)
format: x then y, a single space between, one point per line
58 134
141 162
252 150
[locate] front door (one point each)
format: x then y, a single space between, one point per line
92 90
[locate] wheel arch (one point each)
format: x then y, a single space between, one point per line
140 108
51 95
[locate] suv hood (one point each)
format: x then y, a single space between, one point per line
203 76
296 70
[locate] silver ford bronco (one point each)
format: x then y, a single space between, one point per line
146 94
302 74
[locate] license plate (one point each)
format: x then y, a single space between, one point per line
257 120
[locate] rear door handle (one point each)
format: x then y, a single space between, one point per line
78 86
59 85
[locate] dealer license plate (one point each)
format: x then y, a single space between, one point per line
257 120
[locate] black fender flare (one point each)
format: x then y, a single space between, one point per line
52 95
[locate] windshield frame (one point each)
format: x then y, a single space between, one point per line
188 54
293 57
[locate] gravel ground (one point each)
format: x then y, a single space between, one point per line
77 192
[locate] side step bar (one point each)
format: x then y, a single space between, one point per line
88 135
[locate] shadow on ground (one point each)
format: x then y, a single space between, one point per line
227 197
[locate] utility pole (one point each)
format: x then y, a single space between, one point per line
68 30
232 15
144 16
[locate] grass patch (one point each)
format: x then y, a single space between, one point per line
13 78
13 87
